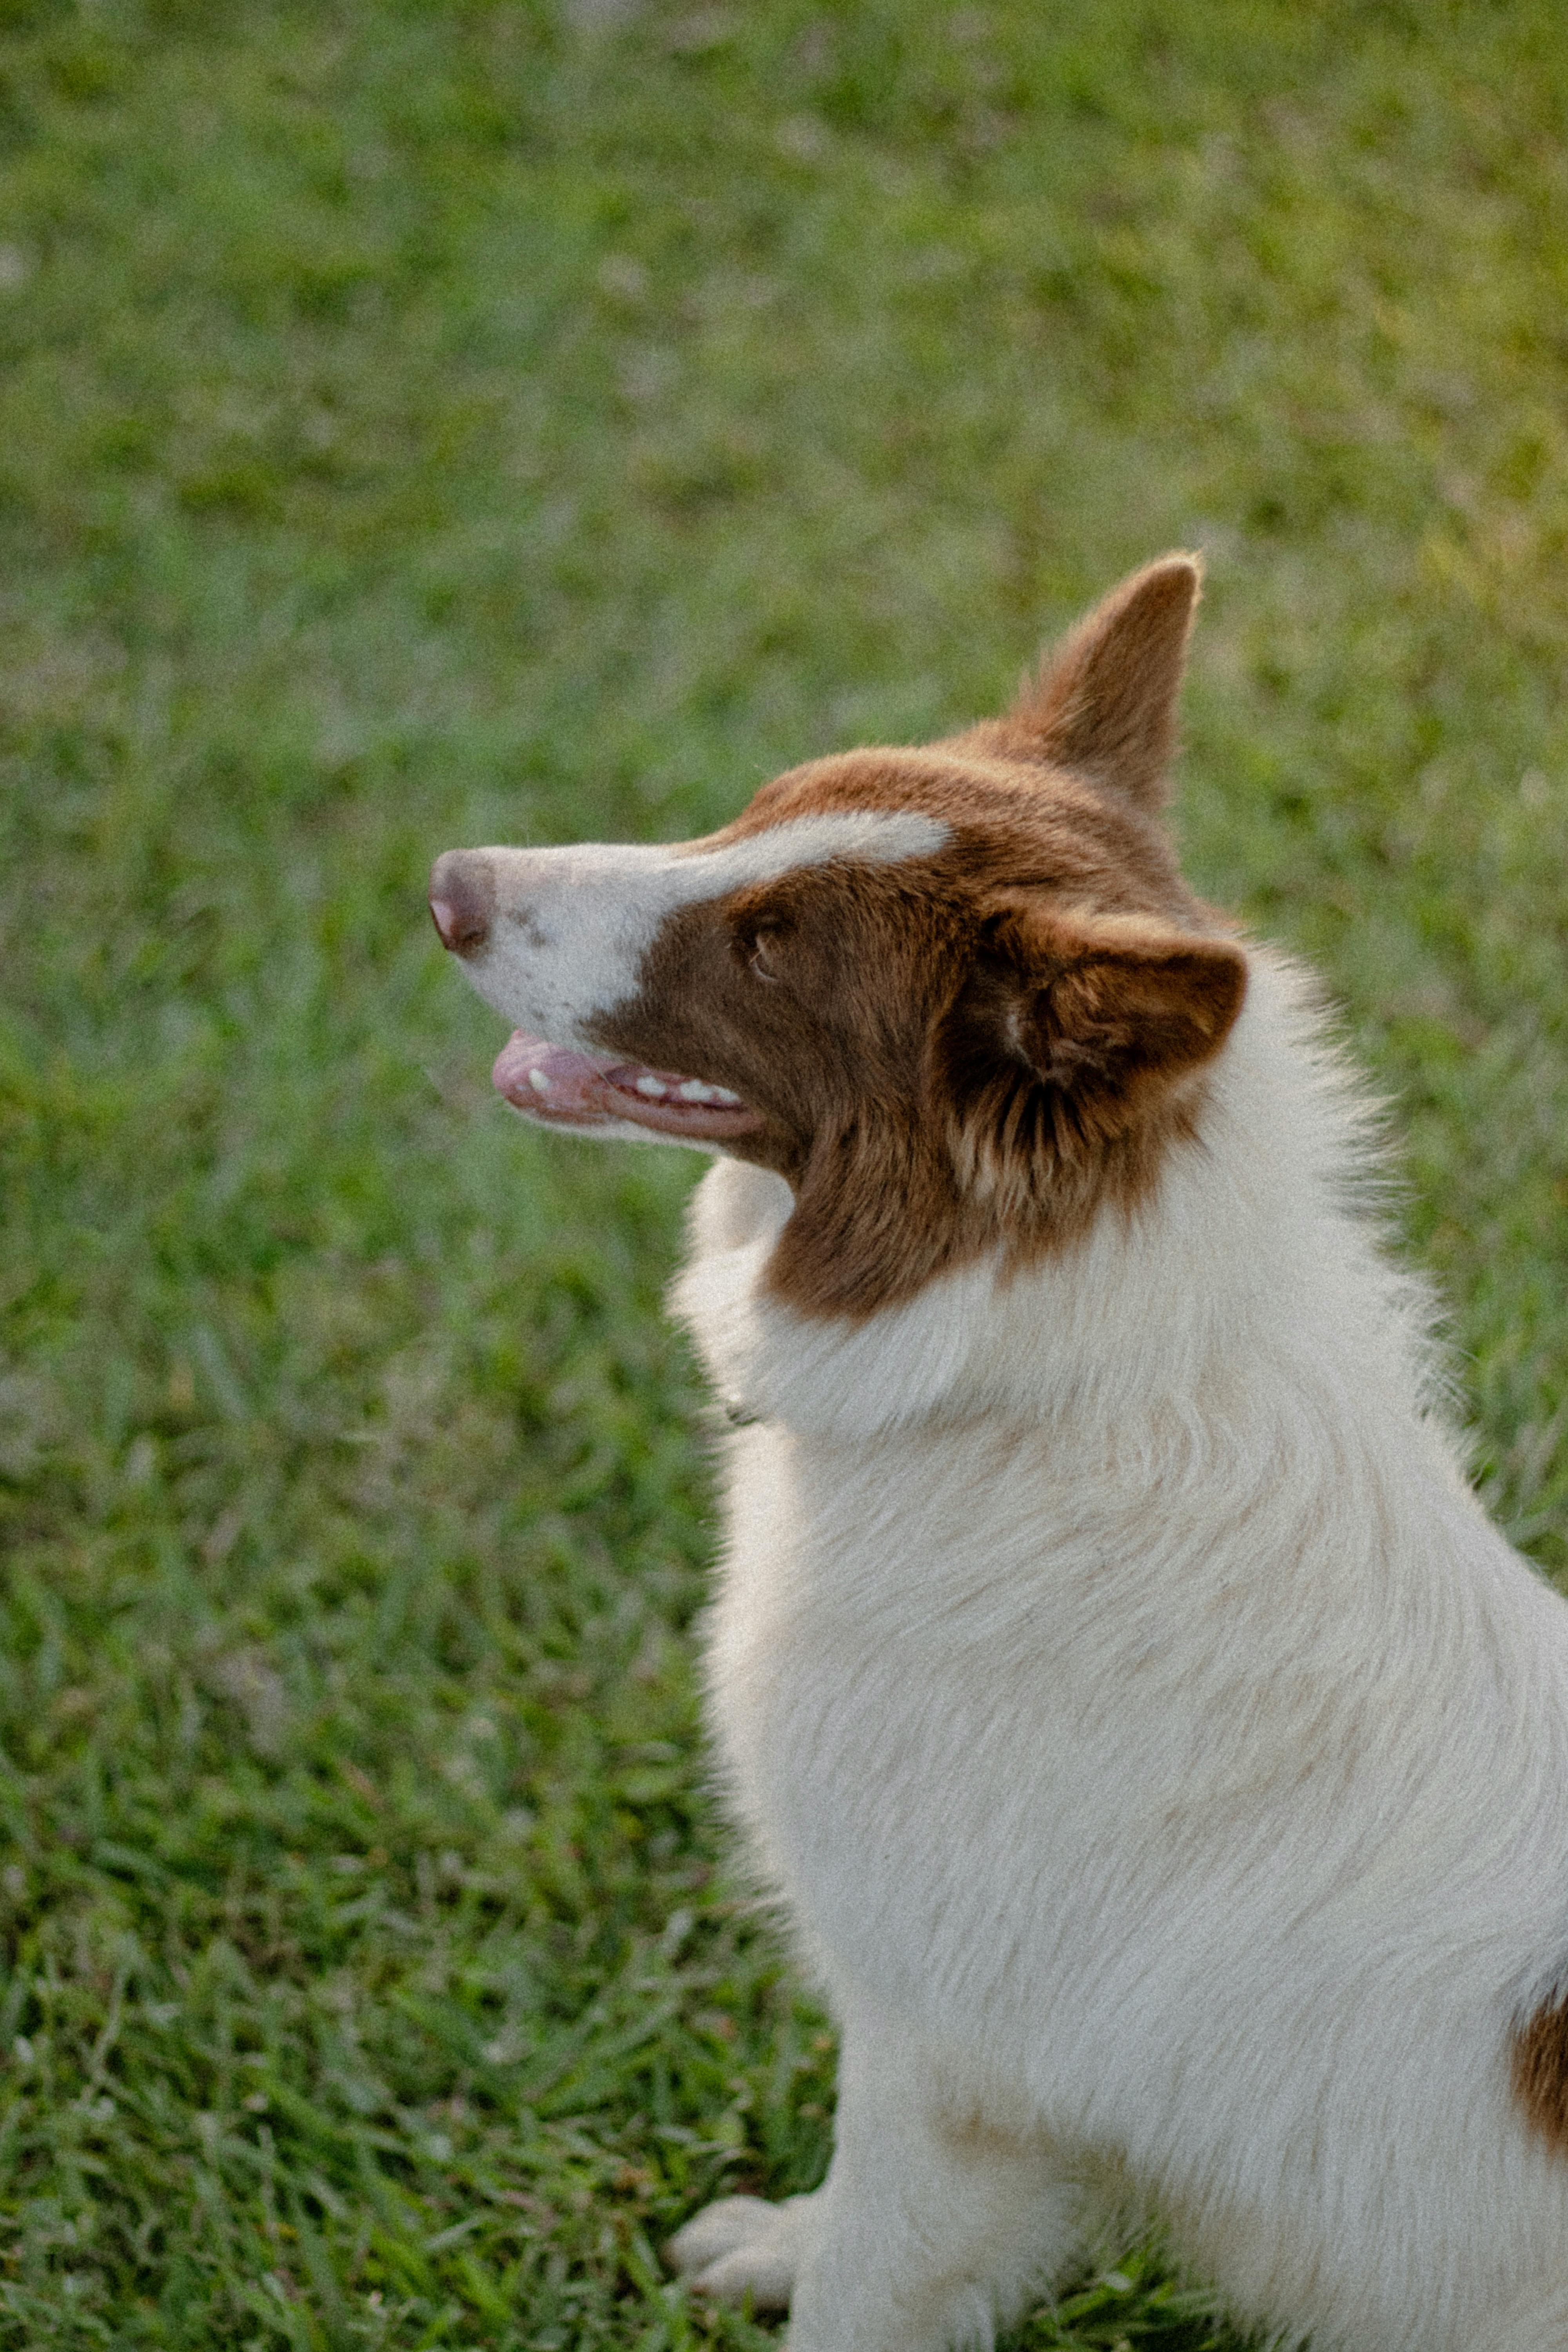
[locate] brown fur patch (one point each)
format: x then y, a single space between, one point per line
983 1049
1539 2068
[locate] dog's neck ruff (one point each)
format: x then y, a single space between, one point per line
1153 1320
826 1376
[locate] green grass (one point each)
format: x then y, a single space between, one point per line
432 423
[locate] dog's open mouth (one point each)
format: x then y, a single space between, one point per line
568 1088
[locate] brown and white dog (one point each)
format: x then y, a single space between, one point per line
1163 1762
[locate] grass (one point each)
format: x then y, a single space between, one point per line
424 423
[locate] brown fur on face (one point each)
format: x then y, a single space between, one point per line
1539 2070
984 1048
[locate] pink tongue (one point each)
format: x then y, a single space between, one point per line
557 1082
575 1081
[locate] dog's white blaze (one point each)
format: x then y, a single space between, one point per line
572 925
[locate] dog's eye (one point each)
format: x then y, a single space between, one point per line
759 961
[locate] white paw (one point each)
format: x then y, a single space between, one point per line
742 2247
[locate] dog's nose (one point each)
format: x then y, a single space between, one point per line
462 899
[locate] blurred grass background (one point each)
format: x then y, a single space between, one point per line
436 420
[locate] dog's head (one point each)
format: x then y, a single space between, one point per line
959 998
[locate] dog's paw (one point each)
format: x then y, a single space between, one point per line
743 2246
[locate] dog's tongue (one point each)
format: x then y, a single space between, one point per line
539 1077
558 1082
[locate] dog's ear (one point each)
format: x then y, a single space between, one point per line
1106 1011
1104 704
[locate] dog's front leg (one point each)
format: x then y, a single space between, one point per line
932 2223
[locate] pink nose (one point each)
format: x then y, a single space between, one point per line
462 899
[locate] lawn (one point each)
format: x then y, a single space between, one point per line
432 423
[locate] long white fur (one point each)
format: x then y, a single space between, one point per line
1162 1759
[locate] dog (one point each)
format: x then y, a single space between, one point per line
1163 1760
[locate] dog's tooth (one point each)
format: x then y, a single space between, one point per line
722 1095
649 1085
693 1090
539 1080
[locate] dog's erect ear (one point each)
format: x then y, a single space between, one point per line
1109 1011
1104 704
